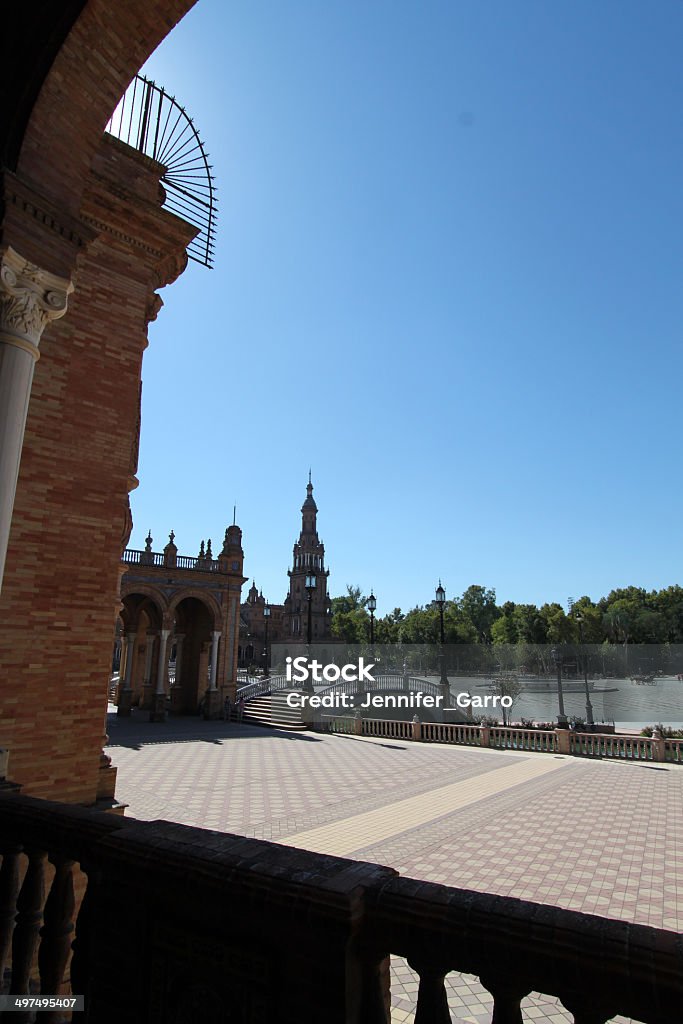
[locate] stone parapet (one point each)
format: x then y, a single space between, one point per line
222 927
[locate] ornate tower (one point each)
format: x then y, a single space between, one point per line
308 560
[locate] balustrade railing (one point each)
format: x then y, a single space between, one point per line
381 683
392 730
444 732
334 724
262 687
157 559
563 741
523 739
629 748
197 564
674 751
132 557
178 923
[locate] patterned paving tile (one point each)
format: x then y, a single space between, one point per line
599 837
469 1001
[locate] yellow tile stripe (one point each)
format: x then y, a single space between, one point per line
351 834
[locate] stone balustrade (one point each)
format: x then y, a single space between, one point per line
180 923
629 748
393 730
550 741
673 751
157 559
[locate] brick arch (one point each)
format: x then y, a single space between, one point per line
144 590
95 60
207 600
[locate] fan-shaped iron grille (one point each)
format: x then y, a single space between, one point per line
151 121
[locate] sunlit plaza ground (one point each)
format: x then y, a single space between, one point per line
595 836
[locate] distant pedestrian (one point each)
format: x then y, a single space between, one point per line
227 709
240 709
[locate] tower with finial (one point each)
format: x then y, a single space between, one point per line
232 555
308 562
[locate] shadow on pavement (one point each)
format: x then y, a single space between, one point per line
137 731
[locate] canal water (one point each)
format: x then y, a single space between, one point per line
628 704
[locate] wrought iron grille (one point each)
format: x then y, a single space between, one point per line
153 122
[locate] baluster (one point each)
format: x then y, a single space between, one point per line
85 932
376 990
507 997
589 1008
27 931
432 1001
9 890
57 931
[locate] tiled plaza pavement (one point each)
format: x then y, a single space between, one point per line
598 837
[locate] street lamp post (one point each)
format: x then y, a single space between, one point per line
266 620
562 720
443 678
589 706
372 605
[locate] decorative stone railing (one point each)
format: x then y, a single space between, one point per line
180 923
629 748
598 968
674 751
157 559
550 741
393 730
262 687
510 738
445 732
382 682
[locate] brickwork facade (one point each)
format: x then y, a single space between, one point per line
71 516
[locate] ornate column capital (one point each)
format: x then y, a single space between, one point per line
30 298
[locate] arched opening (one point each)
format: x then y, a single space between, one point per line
193 626
136 645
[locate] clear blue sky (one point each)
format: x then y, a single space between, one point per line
448 278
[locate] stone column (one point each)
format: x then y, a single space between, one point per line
158 712
176 690
232 637
29 299
122 642
147 681
212 698
215 637
180 637
125 688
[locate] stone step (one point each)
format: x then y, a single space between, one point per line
274 711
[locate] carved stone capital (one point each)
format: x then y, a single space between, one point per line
30 298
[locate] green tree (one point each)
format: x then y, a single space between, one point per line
350 620
592 626
504 629
560 628
479 605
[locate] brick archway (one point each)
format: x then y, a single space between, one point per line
75 71
142 619
194 622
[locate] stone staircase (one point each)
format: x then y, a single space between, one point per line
273 710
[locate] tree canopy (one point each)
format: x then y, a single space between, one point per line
629 615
